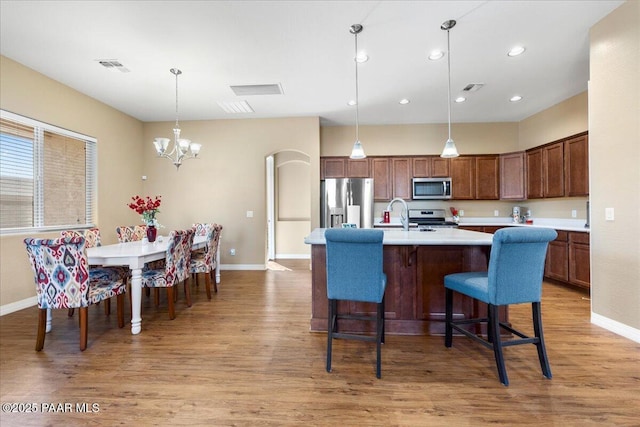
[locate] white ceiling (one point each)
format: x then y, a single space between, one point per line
307 48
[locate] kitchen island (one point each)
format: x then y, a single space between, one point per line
415 263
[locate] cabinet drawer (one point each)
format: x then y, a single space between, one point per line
563 236
577 237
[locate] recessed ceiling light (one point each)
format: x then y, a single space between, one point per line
362 57
351 103
461 99
516 50
404 101
436 54
515 98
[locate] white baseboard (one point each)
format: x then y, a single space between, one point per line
293 256
616 327
243 267
18 305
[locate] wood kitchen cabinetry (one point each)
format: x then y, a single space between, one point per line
380 171
343 167
557 262
579 261
513 176
535 174
463 178
576 166
553 168
401 174
487 170
431 167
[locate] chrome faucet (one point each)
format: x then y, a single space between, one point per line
404 215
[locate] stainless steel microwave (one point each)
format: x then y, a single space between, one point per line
431 188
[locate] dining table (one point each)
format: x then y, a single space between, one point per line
135 255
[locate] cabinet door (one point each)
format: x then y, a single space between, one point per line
534 174
487 173
576 166
381 179
463 177
513 172
333 167
358 168
579 263
422 167
401 177
440 167
557 262
553 166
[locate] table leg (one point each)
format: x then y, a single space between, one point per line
48 327
136 300
218 267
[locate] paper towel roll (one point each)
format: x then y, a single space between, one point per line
353 215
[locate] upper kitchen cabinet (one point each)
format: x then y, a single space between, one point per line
344 167
513 173
576 166
553 168
401 174
487 170
380 171
535 174
431 167
463 178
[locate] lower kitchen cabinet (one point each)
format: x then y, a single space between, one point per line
557 263
568 259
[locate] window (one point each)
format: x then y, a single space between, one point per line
47 176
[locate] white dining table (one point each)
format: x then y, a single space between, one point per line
135 255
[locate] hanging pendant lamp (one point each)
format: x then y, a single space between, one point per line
357 152
450 149
182 148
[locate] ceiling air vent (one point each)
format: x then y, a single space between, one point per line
472 87
235 107
249 90
113 65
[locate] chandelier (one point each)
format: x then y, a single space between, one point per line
450 149
182 148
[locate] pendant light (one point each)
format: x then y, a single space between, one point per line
450 149
357 152
182 148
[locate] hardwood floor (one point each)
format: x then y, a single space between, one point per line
247 358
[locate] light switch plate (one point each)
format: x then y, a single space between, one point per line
249 214
608 214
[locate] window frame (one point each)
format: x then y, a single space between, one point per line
91 175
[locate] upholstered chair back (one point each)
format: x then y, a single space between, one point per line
516 264
131 233
60 271
354 264
91 236
178 256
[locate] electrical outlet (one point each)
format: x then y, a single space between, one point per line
496 213
232 252
574 213
461 212
608 214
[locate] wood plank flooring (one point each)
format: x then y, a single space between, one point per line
247 358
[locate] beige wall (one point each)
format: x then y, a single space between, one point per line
229 178
614 143
25 92
387 140
561 120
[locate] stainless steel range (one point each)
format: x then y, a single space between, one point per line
430 218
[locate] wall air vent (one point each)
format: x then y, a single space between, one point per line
250 90
113 65
235 107
472 87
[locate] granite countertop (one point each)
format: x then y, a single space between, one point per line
555 223
440 236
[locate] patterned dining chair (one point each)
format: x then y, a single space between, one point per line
115 273
131 233
64 281
176 268
204 261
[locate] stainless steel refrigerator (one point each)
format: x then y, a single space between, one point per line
346 200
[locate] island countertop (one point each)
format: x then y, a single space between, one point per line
440 236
